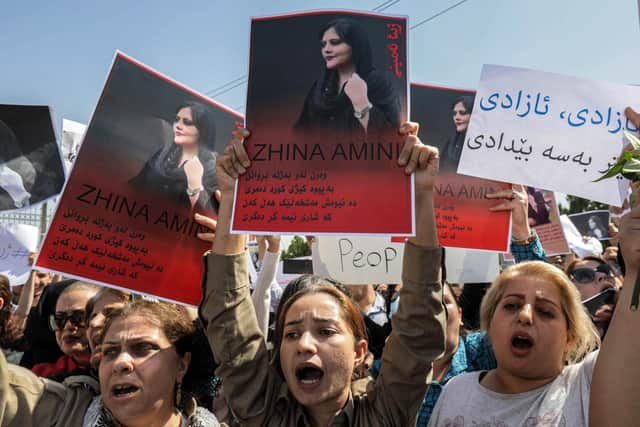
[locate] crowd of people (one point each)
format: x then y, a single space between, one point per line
555 345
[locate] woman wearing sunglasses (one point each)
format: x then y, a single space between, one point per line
70 328
592 276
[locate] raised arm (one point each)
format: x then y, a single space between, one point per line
226 310
525 243
616 378
417 338
261 295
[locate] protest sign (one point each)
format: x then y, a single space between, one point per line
376 260
146 164
592 223
31 168
544 218
462 211
324 127
548 131
72 133
16 242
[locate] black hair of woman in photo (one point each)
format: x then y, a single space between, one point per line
450 153
17 174
184 170
350 95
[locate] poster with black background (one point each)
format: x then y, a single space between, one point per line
327 93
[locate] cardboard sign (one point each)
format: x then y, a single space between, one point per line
324 127
548 131
462 211
592 223
126 217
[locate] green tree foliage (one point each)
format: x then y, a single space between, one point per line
578 204
297 248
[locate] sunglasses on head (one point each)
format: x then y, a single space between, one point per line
586 274
58 320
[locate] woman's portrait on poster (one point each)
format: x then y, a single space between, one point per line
596 228
538 211
452 149
351 96
184 169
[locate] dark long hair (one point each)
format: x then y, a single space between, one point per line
204 122
361 54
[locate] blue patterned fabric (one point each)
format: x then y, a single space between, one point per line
532 251
474 354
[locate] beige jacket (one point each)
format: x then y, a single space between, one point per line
27 400
258 395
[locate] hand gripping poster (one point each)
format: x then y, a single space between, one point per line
462 211
31 168
325 125
145 167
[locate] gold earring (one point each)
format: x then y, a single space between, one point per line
178 393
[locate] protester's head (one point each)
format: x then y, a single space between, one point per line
591 275
454 319
535 321
345 44
322 337
194 126
69 320
145 355
98 307
462 107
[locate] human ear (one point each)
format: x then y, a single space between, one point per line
361 348
460 316
1 303
183 365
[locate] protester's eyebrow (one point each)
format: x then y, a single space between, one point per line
315 319
538 297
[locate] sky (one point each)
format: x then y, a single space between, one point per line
59 53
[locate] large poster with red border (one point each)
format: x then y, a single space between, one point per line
462 211
145 167
324 126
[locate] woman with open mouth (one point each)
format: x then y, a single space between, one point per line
320 334
543 339
145 354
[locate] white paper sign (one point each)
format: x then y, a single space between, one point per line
358 259
16 241
375 260
548 131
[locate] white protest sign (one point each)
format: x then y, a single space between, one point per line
464 266
375 260
72 134
16 241
548 131
358 259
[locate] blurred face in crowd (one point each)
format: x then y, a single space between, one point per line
139 370
184 128
101 308
529 331
71 333
454 321
318 352
460 117
592 277
335 51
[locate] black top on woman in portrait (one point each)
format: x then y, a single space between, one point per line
452 149
350 95
184 170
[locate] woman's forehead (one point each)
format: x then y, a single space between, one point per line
316 306
536 287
